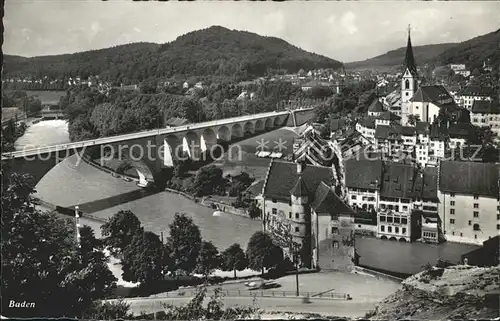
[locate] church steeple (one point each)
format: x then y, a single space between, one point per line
409 63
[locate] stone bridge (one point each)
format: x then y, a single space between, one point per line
151 151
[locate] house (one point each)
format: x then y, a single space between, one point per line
472 93
469 197
300 204
486 113
428 100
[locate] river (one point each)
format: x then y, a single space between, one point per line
73 183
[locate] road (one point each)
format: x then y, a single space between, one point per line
339 308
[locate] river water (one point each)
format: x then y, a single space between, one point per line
73 182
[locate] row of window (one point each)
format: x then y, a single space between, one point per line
390 219
475 213
476 197
429 234
389 229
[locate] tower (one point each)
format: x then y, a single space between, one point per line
408 81
301 213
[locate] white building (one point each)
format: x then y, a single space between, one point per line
469 204
472 93
485 113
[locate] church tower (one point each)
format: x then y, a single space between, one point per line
408 81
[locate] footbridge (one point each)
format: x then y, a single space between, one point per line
151 151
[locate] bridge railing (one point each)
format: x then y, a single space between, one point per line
141 134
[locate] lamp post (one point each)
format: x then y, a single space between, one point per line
77 225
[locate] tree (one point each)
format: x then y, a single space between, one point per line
254 211
262 252
183 243
234 258
208 259
208 180
119 230
40 260
413 119
143 258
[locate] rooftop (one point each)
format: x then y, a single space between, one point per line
469 178
376 106
477 91
398 180
282 177
365 174
326 202
485 107
433 94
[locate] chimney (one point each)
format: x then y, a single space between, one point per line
300 167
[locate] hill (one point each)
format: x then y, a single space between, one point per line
395 58
215 51
474 52
455 292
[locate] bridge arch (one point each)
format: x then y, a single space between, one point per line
279 120
259 125
224 134
248 128
269 123
191 145
173 150
236 131
208 138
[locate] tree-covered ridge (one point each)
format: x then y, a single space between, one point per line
475 51
215 51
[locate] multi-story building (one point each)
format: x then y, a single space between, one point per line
486 113
300 205
469 206
393 191
472 93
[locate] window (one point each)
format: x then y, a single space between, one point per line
297 215
275 211
289 214
404 230
353 197
452 194
452 203
335 230
335 244
382 228
382 218
296 229
274 200
470 222
498 217
452 233
476 227
476 214
396 229
407 85
396 220
389 219
389 229
461 234
476 197
475 236
452 211
404 220
498 226
452 221
476 205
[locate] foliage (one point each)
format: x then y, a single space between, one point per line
262 252
109 311
213 310
239 183
10 133
254 211
119 230
234 258
39 252
214 51
184 244
208 259
20 99
143 258
207 181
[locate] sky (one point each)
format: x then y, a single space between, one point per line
346 31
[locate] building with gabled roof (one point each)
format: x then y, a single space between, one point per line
470 94
486 113
301 205
469 197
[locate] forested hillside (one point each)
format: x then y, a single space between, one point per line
214 52
395 58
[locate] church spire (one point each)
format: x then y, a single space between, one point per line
409 58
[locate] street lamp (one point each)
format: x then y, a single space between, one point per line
77 224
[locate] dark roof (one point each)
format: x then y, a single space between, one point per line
433 93
387 115
363 173
469 178
282 177
422 127
300 188
176 121
376 106
477 91
327 202
426 184
485 107
394 131
368 122
337 123
256 188
409 62
398 180
460 130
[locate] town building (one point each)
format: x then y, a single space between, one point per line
469 206
473 93
486 113
301 205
